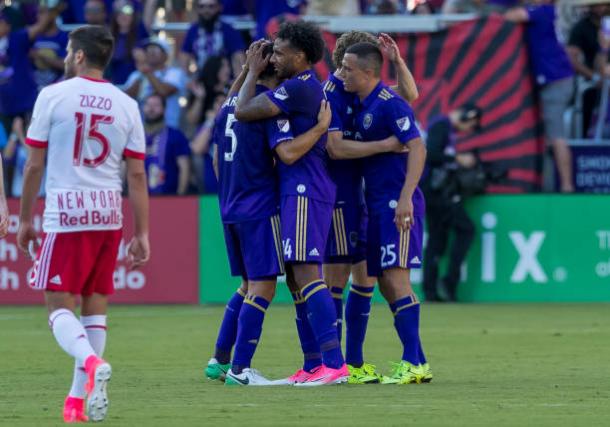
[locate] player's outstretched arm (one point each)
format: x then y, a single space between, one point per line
32 176
340 148
249 107
291 151
3 205
415 167
139 248
407 88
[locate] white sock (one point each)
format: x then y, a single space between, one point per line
96 332
95 326
70 335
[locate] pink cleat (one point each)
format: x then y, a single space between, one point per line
324 376
98 372
298 377
74 410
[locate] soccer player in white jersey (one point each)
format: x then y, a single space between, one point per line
83 127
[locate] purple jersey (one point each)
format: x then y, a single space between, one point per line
223 41
380 115
550 61
300 98
248 187
346 174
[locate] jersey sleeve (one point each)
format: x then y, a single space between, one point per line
401 120
40 125
136 142
278 131
292 96
336 123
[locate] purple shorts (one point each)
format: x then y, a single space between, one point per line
255 248
388 248
305 226
344 237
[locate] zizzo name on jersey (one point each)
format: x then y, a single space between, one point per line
98 102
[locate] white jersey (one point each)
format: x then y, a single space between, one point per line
88 127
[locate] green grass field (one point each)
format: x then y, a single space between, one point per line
508 365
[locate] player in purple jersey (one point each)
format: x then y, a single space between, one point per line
307 194
346 246
394 201
249 200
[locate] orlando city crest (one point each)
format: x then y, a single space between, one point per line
367 121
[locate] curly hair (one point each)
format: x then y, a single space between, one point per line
349 39
304 36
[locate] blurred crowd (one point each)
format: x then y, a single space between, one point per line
180 78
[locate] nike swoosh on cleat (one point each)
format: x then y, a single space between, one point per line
244 382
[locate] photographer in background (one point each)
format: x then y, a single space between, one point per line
445 211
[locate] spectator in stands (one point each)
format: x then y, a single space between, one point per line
17 85
129 32
153 75
329 8
555 78
48 53
95 12
212 37
384 7
212 80
167 151
583 48
20 155
267 10
423 7
464 6
202 147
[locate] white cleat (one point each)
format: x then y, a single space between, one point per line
248 377
97 400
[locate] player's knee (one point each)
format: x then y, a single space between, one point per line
336 275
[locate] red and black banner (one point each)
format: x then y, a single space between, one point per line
485 62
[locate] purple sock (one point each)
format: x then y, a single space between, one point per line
228 328
337 294
250 327
406 322
357 310
312 358
322 316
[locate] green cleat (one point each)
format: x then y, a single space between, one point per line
404 373
216 371
427 373
366 374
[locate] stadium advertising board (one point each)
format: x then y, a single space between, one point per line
171 276
527 248
591 164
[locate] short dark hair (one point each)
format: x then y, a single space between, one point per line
304 36
369 56
269 71
96 42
